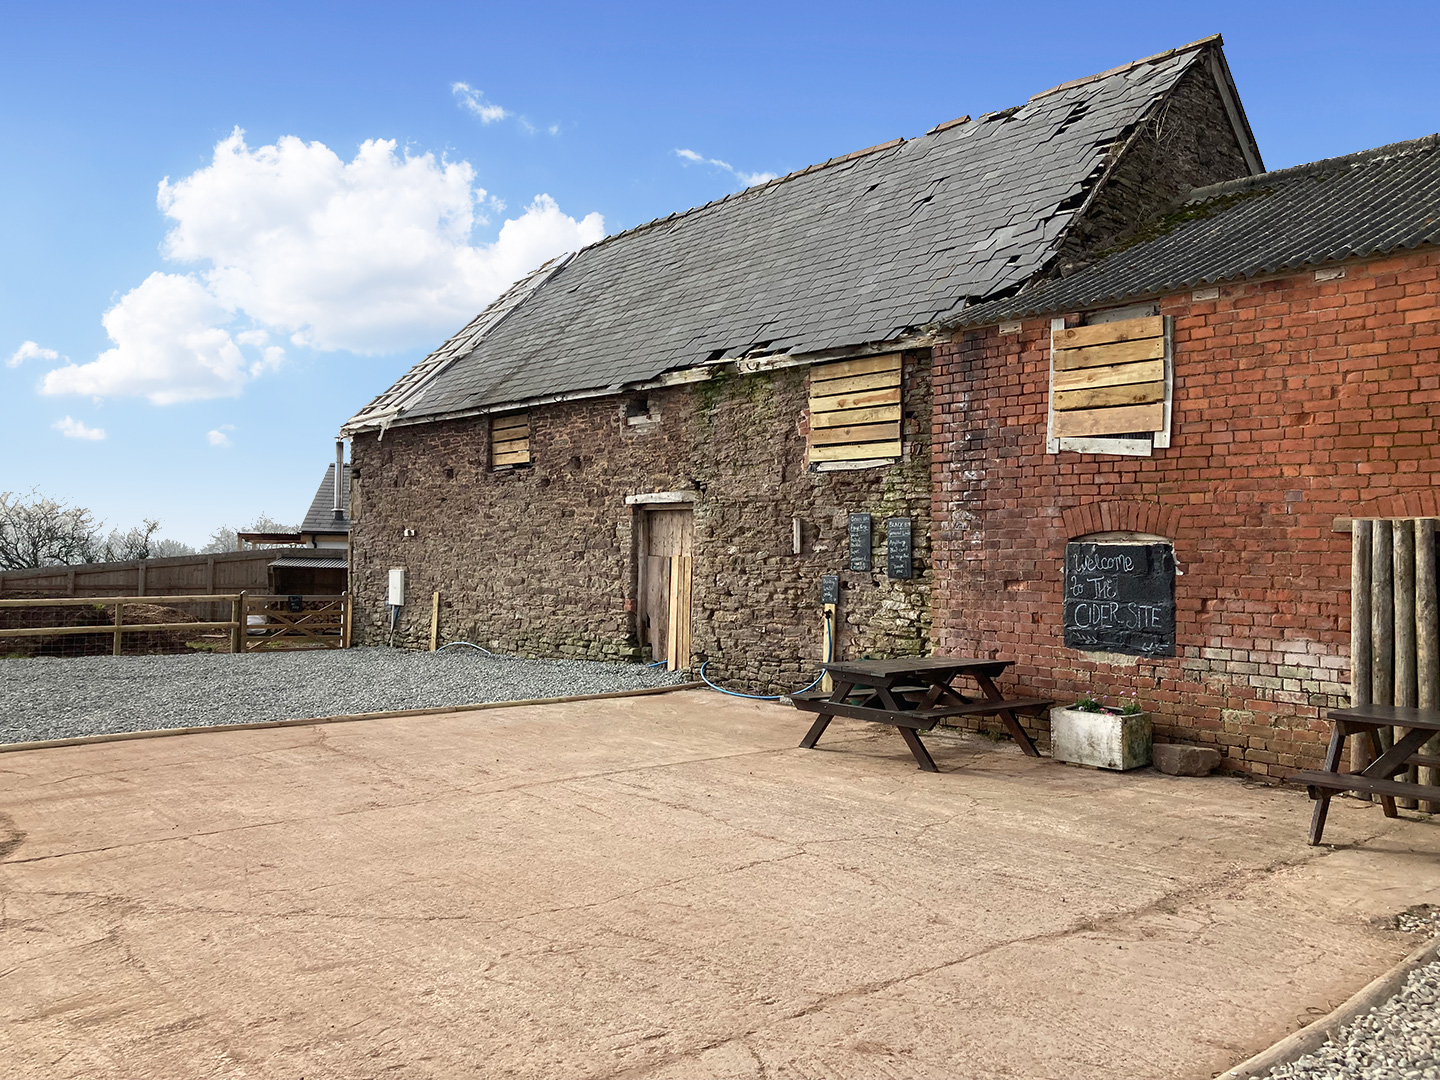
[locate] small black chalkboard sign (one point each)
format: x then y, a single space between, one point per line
1120 598
860 542
898 548
296 603
829 588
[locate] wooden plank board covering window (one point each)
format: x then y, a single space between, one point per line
510 440
1108 379
855 409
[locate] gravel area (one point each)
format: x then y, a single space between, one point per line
61 698
1399 1040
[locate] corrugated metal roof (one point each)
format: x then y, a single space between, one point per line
858 250
325 563
1369 203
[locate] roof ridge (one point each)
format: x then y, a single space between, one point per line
1213 39
1424 144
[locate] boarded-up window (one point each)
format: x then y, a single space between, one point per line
855 411
1110 386
510 440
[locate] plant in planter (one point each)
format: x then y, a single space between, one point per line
1089 733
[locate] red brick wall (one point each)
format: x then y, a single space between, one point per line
1296 402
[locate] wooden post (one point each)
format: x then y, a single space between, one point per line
140 578
434 621
1404 552
1360 652
70 583
1382 621
1427 643
672 621
244 630
237 616
349 608
119 621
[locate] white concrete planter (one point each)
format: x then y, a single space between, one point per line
1105 740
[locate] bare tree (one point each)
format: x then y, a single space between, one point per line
136 542
36 531
224 538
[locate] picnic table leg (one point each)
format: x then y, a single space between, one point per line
917 748
1377 750
816 730
1007 716
1332 764
840 691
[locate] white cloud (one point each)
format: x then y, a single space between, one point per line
690 157
219 436
29 350
372 255
473 101
74 429
171 345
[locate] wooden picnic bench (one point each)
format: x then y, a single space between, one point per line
1377 778
913 694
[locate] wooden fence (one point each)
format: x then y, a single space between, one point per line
280 622
226 573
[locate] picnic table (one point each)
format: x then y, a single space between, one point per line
1377 778
912 694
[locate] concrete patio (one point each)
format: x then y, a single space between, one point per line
666 887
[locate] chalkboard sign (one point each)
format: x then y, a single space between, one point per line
860 542
898 548
1120 598
829 588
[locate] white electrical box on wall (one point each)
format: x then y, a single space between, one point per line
397 587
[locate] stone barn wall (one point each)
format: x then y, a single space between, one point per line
539 560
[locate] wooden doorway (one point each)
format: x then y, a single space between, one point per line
666 537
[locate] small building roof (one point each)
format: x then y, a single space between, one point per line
320 518
858 250
1370 203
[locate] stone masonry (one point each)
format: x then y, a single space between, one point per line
539 561
1297 401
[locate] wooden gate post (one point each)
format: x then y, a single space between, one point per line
119 620
434 621
243 631
237 616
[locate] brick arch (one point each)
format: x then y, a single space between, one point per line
1420 503
1123 515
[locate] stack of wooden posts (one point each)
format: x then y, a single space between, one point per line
1395 627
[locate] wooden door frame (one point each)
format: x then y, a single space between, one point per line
680 584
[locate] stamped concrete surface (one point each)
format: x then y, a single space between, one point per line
665 887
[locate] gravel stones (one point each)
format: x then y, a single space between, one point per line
1399 1040
62 698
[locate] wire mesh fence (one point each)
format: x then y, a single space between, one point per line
137 625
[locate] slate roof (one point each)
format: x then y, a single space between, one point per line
320 518
1370 203
860 249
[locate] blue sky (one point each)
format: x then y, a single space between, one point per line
282 278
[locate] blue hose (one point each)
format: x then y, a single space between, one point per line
753 697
